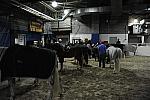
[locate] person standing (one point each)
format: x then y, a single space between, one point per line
118 41
102 54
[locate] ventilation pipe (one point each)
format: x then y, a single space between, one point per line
48 6
54 10
38 13
85 11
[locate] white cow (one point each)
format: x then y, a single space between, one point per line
115 54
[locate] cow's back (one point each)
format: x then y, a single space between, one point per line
23 61
111 52
114 52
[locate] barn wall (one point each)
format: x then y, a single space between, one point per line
143 51
104 25
113 25
123 38
100 24
80 36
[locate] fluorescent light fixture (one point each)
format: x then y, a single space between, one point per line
54 4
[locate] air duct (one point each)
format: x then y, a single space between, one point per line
85 11
38 13
65 16
48 6
54 10
31 10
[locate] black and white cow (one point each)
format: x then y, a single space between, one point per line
25 61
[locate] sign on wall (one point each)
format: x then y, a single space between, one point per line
36 27
95 38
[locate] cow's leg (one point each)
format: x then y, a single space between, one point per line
78 64
50 82
124 55
61 60
36 81
110 63
61 66
108 59
0 77
19 79
55 87
82 61
86 59
116 67
11 82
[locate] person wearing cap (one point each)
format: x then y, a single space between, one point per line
102 54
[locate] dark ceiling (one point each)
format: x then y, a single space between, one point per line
130 5
89 3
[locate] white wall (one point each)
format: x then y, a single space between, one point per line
105 37
143 51
80 36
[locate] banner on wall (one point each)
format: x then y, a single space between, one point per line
95 38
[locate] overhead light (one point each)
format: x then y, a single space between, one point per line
66 11
54 4
142 21
135 21
147 9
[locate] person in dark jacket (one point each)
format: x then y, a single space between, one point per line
102 54
118 41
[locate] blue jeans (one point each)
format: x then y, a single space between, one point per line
102 60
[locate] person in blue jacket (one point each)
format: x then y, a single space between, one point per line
102 54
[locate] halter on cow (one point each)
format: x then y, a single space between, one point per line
115 54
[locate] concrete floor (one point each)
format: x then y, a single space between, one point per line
92 83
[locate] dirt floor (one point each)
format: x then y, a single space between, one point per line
92 82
